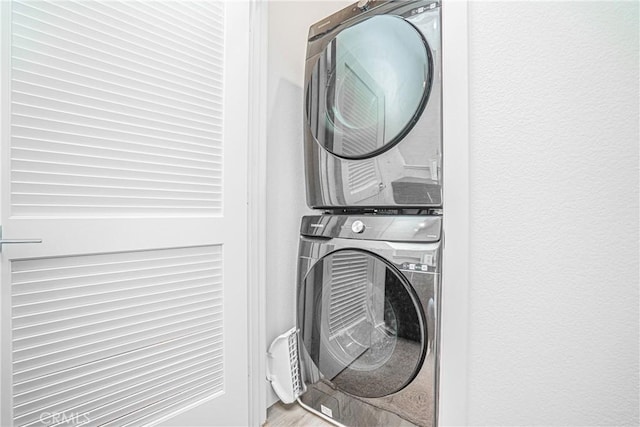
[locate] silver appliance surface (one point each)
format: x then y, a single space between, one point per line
373 107
367 310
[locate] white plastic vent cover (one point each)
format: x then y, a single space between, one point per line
284 368
116 108
116 339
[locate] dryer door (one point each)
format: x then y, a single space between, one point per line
368 87
362 327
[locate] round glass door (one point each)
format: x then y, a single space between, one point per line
369 87
361 324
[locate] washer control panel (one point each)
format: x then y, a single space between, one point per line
391 228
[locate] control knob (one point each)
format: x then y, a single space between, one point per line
357 226
363 5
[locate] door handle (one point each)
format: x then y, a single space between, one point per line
16 241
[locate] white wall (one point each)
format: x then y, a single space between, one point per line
289 23
554 205
554 213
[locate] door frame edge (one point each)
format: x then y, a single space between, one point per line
454 327
6 398
257 207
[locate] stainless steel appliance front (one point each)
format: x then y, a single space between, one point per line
367 303
373 128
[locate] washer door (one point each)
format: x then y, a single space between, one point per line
368 87
361 324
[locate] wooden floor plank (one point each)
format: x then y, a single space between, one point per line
294 415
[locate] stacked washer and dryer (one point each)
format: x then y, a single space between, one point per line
368 291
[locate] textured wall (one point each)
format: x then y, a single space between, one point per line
554 213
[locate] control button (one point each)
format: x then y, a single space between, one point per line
412 266
357 226
424 267
363 5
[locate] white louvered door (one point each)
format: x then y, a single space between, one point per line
124 148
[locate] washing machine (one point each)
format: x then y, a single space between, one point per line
373 109
367 317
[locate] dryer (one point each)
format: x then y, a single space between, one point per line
367 314
373 90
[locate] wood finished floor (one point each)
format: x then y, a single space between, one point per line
293 415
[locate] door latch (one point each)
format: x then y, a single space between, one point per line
15 241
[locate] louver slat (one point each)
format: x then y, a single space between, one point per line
348 298
360 108
109 335
116 108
